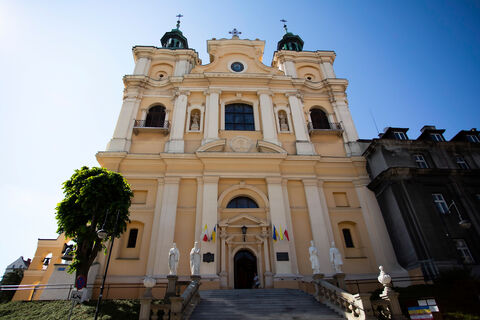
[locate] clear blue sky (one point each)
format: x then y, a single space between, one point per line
409 63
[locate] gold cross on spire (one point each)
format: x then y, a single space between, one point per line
178 21
234 33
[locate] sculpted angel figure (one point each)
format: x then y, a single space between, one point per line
314 258
195 259
336 258
173 257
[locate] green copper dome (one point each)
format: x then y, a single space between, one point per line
174 40
290 42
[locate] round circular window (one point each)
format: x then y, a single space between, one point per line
237 66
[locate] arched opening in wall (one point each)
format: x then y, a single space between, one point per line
242 202
319 119
245 268
283 120
239 116
46 261
155 117
195 120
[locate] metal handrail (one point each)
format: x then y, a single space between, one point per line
159 124
333 126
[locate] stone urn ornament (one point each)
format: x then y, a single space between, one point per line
149 283
385 279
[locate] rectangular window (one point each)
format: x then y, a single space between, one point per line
132 238
463 251
440 203
462 164
400 135
347 236
420 161
472 138
437 137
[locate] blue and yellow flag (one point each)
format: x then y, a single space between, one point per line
274 233
214 233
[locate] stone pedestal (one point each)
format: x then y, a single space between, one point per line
195 277
171 286
268 279
223 280
340 280
392 297
145 306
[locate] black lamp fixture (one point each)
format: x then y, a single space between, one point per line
102 235
244 232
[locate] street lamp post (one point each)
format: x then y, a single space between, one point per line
102 234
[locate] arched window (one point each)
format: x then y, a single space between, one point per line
155 117
242 202
239 116
319 119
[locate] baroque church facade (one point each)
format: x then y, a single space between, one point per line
253 161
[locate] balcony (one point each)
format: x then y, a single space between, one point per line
151 126
335 129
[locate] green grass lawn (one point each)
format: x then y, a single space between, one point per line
56 310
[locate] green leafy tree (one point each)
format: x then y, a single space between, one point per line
9 278
93 197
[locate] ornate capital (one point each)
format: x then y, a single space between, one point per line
172 180
212 90
210 179
273 180
361 182
310 182
267 92
179 92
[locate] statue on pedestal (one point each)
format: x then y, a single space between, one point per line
195 122
314 258
336 258
283 121
195 259
173 257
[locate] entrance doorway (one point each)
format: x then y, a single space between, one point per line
245 264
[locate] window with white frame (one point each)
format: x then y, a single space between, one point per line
461 163
437 137
420 161
463 251
440 203
400 135
473 138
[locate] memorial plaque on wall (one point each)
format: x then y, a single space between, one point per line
282 256
208 257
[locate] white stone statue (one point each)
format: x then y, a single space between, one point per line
336 258
314 258
173 257
195 259
283 121
195 122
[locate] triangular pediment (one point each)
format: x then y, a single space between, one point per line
242 219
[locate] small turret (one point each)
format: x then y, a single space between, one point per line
175 38
290 41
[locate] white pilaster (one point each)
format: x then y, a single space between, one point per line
209 218
182 67
289 68
324 207
155 228
350 135
211 116
176 143
142 66
318 224
122 136
293 258
198 210
303 144
278 219
328 69
377 231
268 119
166 225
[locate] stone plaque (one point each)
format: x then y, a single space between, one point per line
282 256
241 144
208 257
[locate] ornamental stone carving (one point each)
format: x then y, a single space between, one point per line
241 144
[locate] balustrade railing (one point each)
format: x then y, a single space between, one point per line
333 127
149 125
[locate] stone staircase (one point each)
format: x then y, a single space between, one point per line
260 304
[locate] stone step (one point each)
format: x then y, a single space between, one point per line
260 304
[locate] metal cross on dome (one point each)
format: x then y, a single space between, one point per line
234 33
178 21
284 25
